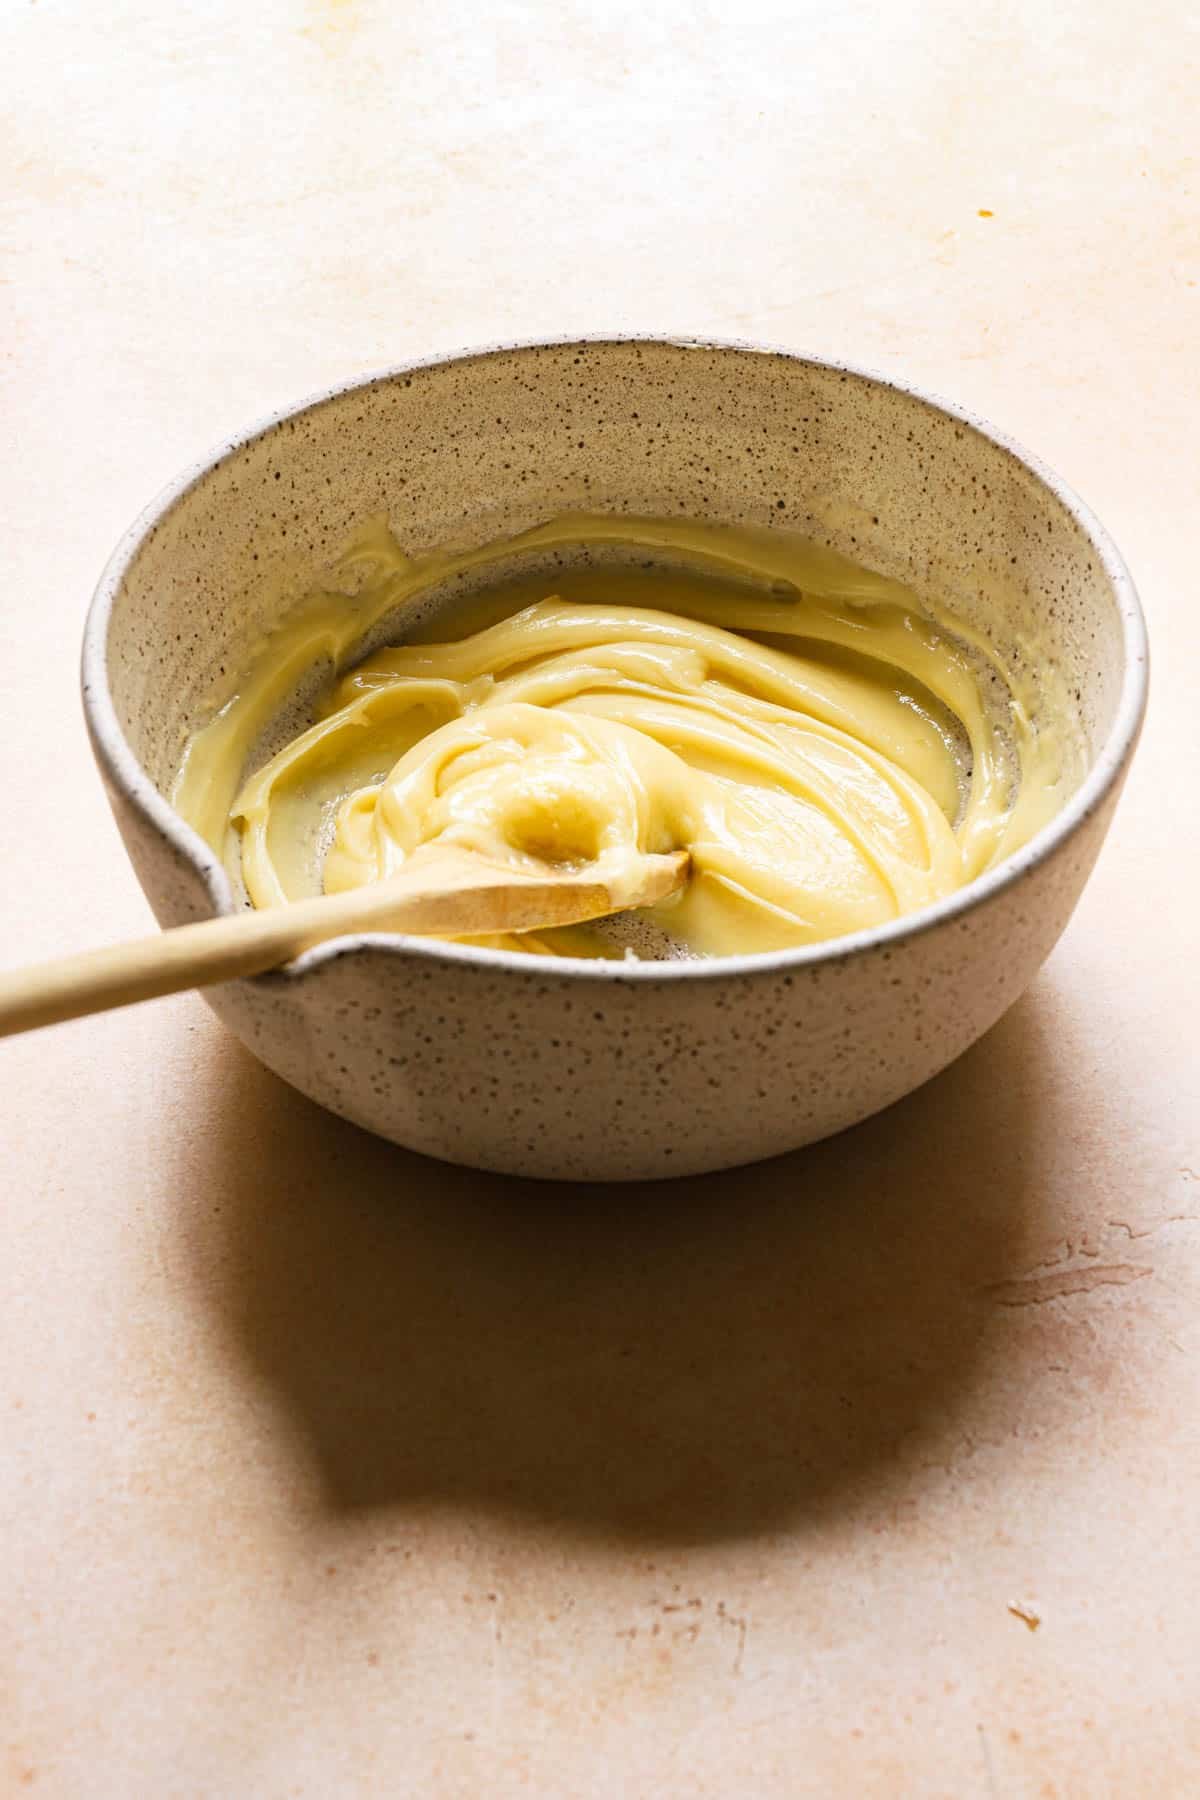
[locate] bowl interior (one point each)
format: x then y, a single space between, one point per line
460 452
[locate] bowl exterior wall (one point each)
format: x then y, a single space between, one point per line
534 1071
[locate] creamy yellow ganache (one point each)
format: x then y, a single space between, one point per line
832 751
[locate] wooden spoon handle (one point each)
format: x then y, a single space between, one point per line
462 897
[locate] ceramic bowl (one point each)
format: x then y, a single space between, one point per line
616 1070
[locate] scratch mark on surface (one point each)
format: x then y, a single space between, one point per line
496 1676
736 1623
1150 1230
989 1772
1036 1290
1026 1615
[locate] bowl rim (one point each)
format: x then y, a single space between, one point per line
118 762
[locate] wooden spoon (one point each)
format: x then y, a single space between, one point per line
454 894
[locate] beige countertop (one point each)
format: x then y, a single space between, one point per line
326 1470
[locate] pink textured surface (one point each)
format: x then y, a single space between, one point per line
325 1469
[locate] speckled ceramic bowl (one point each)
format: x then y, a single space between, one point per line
603 1070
